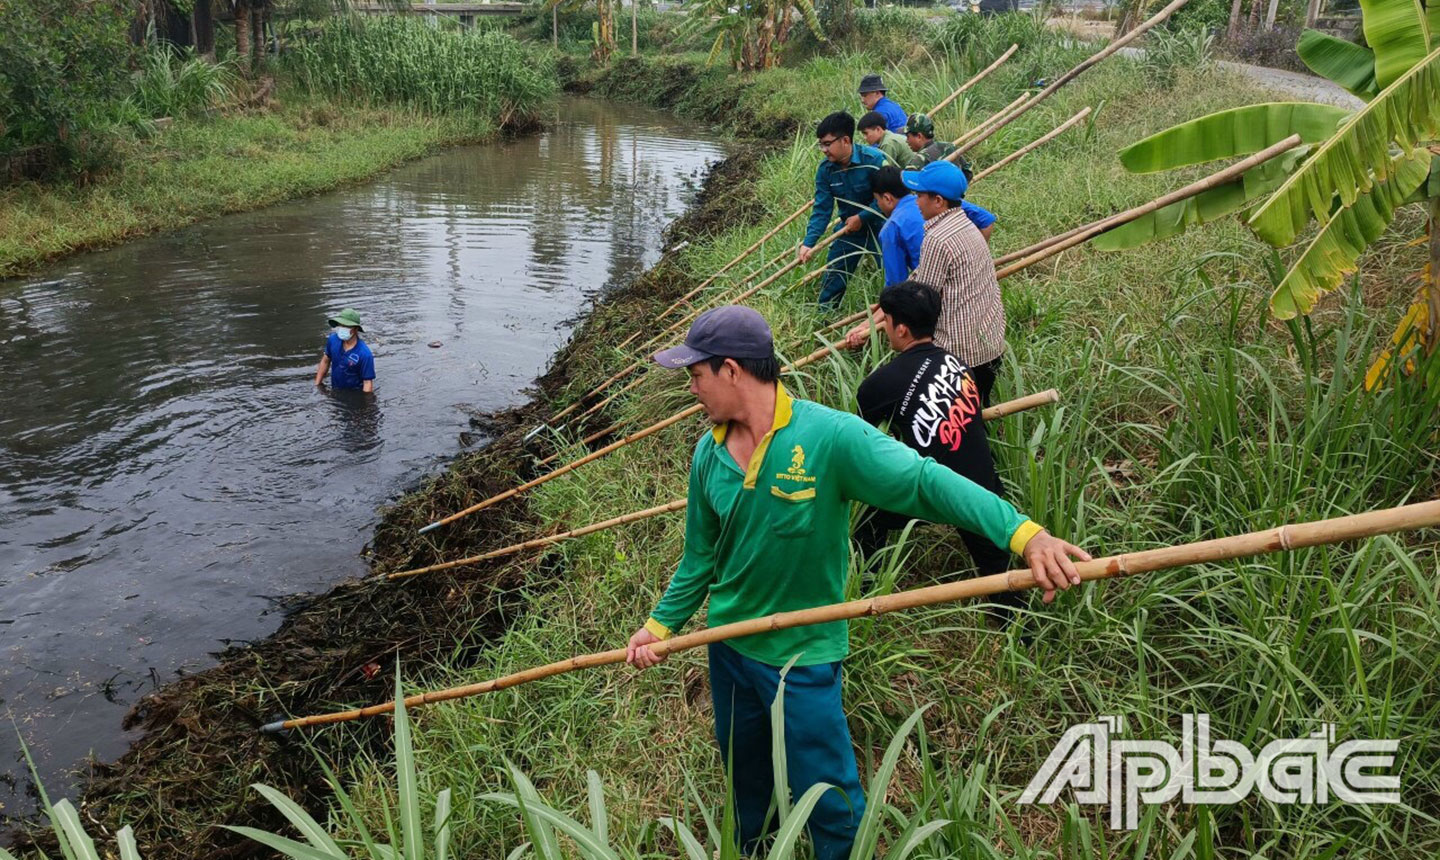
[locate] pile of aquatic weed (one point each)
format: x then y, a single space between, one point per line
1187 413
200 749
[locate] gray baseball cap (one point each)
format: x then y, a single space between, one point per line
733 331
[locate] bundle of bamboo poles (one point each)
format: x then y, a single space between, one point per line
1285 538
999 410
1046 249
736 298
963 144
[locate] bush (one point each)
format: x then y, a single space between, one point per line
439 69
1167 52
63 66
172 83
978 39
1273 48
893 33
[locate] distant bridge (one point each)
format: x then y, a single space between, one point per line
465 12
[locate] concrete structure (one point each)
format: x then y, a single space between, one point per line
466 13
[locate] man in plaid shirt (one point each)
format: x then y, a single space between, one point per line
955 260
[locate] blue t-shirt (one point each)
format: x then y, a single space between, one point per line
900 240
904 232
895 117
979 216
349 369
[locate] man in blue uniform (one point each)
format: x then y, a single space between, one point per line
347 358
842 187
873 97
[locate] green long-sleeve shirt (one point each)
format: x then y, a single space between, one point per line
775 536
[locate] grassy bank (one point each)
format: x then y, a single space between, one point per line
355 99
199 168
1187 414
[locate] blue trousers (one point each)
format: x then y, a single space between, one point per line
817 746
845 254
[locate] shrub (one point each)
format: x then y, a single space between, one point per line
1167 52
172 83
1273 48
63 66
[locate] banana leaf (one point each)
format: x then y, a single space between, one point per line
1350 65
1231 133
1334 252
1396 31
1403 113
1203 208
1432 18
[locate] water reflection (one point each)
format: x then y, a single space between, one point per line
167 467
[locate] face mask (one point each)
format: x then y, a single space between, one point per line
343 332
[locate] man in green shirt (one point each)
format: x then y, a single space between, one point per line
872 128
768 530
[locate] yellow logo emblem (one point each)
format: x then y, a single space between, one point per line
797 461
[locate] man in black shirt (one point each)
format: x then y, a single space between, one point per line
933 405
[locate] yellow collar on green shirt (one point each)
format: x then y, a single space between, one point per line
783 411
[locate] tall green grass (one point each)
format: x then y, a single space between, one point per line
174 83
424 64
1187 414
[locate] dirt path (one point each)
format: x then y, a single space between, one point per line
1290 85
1295 84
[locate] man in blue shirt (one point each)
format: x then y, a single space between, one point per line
842 187
347 358
873 97
904 230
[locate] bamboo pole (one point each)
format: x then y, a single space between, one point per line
984 73
678 504
999 410
639 363
1083 66
966 141
789 219
1284 538
1074 237
597 454
989 121
1032 146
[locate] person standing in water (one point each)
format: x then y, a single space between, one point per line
347 358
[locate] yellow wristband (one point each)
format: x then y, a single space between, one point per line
658 630
1022 536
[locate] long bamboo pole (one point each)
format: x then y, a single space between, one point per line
1033 145
634 516
1284 538
601 452
1086 64
1095 229
754 246
963 144
789 219
639 363
999 410
1073 237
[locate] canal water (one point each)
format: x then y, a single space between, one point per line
168 471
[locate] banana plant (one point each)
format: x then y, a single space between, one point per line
1354 170
752 33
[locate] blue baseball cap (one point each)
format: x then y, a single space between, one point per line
733 331
938 177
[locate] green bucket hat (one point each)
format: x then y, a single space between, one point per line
349 318
920 124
